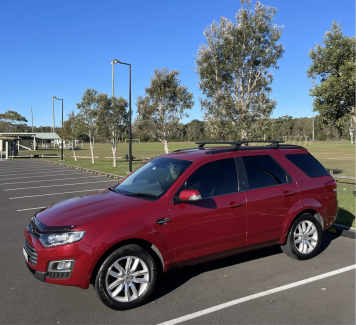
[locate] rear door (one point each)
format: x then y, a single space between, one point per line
270 192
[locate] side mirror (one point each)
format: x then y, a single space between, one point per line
189 196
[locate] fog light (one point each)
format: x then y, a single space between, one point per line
61 266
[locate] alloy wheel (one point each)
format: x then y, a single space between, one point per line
127 279
305 237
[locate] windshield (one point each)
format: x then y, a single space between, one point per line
153 179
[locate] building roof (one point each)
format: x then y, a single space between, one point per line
38 135
47 136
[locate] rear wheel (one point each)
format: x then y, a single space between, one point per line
304 238
126 278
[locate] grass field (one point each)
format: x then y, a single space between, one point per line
339 156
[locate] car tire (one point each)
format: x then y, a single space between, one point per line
304 238
126 278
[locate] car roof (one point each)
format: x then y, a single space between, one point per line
206 153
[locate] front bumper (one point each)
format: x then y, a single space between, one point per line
38 258
38 275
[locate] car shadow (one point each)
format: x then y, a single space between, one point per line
176 277
345 218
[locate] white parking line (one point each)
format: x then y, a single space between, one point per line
73 172
57 185
19 210
27 173
51 194
256 296
52 180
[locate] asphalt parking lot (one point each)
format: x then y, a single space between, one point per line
260 287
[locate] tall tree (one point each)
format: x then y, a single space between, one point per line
165 103
235 66
195 130
73 128
12 116
333 67
88 111
112 117
10 120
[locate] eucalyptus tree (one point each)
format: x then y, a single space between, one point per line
10 120
73 128
235 66
113 119
165 103
88 112
333 66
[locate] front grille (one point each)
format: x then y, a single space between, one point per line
31 252
59 275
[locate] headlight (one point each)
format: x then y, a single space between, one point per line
49 240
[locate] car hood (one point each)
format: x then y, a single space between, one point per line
81 211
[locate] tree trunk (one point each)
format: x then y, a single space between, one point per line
243 134
74 154
352 126
113 148
165 145
91 150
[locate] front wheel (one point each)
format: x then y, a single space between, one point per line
126 278
304 238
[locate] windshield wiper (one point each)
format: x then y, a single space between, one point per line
148 195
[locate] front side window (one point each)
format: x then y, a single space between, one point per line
214 178
153 179
263 171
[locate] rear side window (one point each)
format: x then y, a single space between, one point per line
214 178
308 164
263 171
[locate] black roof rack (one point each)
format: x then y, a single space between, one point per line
237 144
185 149
241 145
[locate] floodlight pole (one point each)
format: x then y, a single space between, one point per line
62 148
130 109
54 121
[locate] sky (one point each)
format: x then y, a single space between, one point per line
61 48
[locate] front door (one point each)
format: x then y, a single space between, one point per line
212 225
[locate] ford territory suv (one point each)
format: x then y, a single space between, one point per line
188 206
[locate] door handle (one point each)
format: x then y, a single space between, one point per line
235 204
163 221
288 193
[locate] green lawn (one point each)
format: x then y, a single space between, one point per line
339 156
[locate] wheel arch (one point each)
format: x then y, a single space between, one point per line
151 248
311 211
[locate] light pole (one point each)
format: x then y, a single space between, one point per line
112 76
62 148
130 111
54 121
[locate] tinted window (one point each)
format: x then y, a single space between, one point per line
308 164
263 171
214 178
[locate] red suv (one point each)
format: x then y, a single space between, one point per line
190 205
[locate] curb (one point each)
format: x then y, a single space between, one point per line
345 231
87 170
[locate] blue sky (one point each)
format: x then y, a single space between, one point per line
63 47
